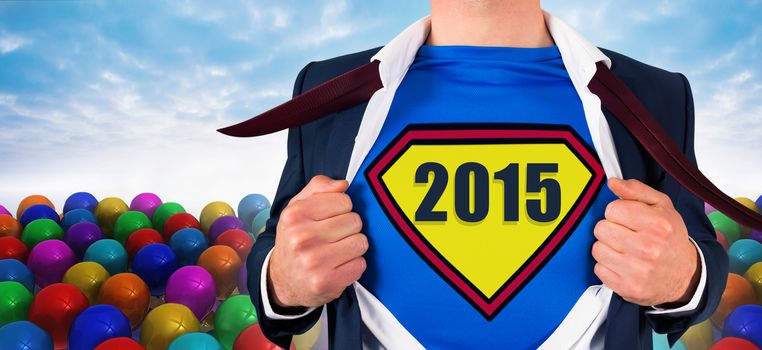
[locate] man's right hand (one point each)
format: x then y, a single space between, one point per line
318 246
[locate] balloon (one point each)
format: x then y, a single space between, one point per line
745 322
732 343
708 208
727 226
49 260
188 244
121 343
178 222
140 239
233 316
80 200
109 253
13 248
128 293
243 282
163 212
38 211
737 292
721 238
88 277
754 276
307 340
193 287
195 341
250 206
755 235
240 240
76 216
54 309
223 263
212 212
145 203
4 211
253 338
41 230
154 263
259 222
32 200
128 223
107 211
9 226
14 302
97 324
698 336
165 323
742 254
14 270
24 335
223 224
81 235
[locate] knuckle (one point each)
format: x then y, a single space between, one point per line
612 207
317 285
362 243
356 222
346 202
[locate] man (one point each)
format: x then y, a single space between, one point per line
465 204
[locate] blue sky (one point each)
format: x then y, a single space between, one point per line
121 97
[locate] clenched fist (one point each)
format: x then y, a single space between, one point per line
318 246
643 251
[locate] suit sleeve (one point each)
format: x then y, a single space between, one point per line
292 180
701 231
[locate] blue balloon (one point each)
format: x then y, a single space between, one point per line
110 254
249 207
24 335
195 341
660 343
39 211
154 263
80 200
744 253
745 322
188 244
14 270
97 324
259 222
76 216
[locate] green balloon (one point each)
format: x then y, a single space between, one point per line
129 222
163 212
260 221
41 230
729 228
14 302
232 317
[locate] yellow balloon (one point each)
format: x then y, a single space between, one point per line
213 211
698 336
107 211
746 202
754 276
307 340
88 276
165 323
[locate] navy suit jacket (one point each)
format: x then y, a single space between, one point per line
323 147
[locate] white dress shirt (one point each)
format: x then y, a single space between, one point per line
582 326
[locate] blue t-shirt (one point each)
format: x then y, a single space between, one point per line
479 198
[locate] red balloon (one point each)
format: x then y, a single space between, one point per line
721 238
237 239
732 343
13 248
140 239
121 343
54 309
252 338
178 222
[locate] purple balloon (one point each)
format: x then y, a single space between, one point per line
146 203
708 208
49 260
4 211
756 235
193 287
243 274
223 224
81 235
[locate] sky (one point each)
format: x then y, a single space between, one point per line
122 97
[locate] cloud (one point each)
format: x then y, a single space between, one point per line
10 43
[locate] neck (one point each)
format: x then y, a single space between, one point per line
513 23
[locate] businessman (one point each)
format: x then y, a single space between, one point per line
483 198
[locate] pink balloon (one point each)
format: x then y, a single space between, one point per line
49 260
146 203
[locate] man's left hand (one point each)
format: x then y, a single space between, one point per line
643 252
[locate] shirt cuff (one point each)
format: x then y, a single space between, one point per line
694 302
269 312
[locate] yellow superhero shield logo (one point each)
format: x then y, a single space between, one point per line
486 205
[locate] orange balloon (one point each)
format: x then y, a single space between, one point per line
128 293
738 291
33 200
239 240
9 226
223 264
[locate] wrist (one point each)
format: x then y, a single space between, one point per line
278 304
688 289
